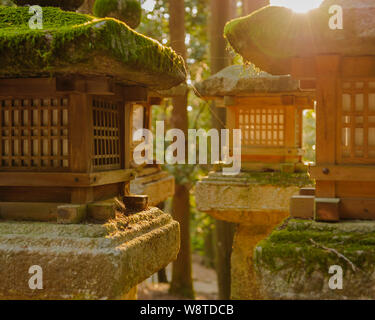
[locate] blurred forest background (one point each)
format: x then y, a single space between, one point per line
200 23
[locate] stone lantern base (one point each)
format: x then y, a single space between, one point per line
257 202
86 261
304 259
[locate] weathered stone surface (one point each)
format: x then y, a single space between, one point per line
158 185
294 262
244 80
257 202
86 261
271 36
177 91
244 198
244 285
73 43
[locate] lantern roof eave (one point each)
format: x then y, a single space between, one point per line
243 80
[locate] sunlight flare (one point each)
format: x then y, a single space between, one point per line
299 6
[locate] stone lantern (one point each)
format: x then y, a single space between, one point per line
337 60
268 110
66 100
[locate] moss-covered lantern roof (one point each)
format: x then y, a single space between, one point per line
272 36
239 80
73 43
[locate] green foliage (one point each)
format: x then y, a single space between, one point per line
201 225
309 135
155 24
128 11
276 178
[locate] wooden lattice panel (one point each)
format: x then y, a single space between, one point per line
34 133
357 114
106 120
262 126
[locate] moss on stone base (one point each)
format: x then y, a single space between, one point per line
293 262
76 43
129 11
277 178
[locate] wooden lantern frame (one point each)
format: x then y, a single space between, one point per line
65 140
345 149
271 126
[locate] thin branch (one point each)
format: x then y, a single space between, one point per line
340 255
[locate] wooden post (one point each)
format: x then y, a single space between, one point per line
128 157
327 69
231 124
81 142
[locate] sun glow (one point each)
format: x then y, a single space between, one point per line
148 5
299 6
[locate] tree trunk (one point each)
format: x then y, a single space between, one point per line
221 12
209 257
182 282
219 57
224 235
248 6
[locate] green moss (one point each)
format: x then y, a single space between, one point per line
276 178
300 246
128 11
71 42
279 179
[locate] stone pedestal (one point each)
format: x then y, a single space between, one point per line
86 261
299 261
257 202
158 185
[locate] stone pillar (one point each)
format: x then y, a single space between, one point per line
257 202
244 284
